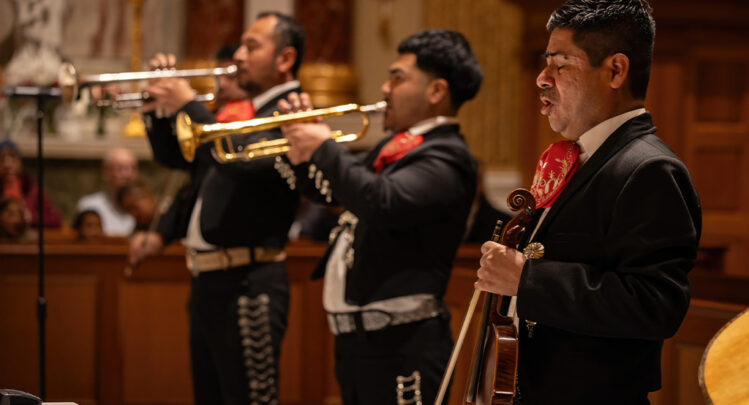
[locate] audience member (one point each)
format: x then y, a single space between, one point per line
14 223
137 200
118 169
16 183
87 225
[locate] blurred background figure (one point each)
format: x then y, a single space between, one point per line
14 223
137 200
18 184
87 225
232 102
120 168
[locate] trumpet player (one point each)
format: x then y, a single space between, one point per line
389 260
233 219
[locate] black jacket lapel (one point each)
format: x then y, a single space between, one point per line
626 133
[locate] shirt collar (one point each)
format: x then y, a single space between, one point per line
593 138
422 127
273 92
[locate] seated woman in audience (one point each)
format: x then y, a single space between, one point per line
16 183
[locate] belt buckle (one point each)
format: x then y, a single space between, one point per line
192 255
225 259
374 319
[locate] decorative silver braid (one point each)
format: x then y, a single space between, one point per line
254 334
408 389
286 172
346 220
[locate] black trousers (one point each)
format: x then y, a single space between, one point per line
237 321
368 364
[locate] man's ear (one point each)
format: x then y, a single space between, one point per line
438 90
285 59
617 67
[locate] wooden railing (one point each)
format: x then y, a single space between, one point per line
114 339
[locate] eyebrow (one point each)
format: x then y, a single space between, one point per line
396 70
547 55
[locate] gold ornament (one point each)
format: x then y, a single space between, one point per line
534 250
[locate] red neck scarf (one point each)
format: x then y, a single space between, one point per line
236 110
396 148
554 171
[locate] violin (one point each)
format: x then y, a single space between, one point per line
494 366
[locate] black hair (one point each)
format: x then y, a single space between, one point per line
604 27
288 32
226 52
78 221
130 189
447 55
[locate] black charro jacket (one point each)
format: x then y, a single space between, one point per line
411 215
612 284
244 203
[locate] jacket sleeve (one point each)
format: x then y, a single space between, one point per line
403 197
163 140
640 289
173 223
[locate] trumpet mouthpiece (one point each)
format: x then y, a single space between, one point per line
376 107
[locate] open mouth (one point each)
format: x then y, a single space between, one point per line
546 106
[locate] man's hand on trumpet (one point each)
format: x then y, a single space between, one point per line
171 93
304 139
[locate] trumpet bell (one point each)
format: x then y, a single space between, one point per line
190 135
188 142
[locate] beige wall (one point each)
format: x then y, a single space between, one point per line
373 46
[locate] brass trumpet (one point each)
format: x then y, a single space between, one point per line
70 81
135 100
190 135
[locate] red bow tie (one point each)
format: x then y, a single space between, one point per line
554 171
236 110
396 148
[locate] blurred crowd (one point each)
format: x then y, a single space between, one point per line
126 205
123 206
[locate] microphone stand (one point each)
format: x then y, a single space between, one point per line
41 94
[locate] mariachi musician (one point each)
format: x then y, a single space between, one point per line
406 201
620 220
234 219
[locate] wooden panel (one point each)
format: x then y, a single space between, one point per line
721 85
70 340
688 358
718 177
211 24
154 335
665 102
327 28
